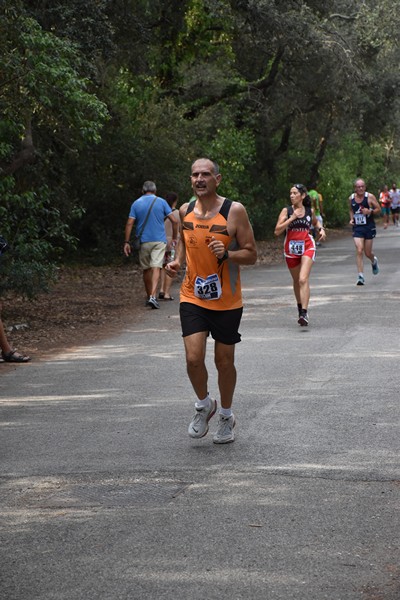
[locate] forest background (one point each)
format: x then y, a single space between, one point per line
98 96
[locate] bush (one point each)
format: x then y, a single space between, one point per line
36 236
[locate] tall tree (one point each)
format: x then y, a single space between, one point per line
47 111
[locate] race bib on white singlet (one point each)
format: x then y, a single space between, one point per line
209 288
296 247
360 219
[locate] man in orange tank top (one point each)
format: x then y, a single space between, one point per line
216 239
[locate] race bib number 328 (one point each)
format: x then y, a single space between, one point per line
209 288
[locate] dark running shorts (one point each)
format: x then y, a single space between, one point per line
222 324
368 233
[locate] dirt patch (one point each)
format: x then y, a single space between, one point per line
90 303
86 304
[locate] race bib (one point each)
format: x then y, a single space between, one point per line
209 288
296 247
360 219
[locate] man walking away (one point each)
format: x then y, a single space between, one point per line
148 214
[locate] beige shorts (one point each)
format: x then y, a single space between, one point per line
151 255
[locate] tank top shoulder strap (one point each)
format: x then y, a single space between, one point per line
225 208
190 207
290 210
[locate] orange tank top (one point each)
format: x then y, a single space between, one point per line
207 283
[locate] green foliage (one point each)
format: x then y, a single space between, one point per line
234 150
41 77
83 22
208 32
36 234
48 116
97 97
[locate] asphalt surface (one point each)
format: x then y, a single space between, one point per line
104 496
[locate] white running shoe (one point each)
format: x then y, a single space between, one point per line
152 301
360 280
225 433
375 266
199 424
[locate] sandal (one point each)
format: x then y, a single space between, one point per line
168 298
15 357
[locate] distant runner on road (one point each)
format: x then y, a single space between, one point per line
362 207
394 194
299 247
385 202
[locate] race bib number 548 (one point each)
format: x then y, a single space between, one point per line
296 247
209 288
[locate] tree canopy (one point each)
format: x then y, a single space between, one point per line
96 97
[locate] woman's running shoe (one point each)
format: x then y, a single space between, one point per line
303 319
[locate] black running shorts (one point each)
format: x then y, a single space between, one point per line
222 324
368 233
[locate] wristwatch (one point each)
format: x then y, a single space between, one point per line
223 257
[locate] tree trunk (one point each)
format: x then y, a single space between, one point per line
314 171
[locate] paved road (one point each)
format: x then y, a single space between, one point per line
104 497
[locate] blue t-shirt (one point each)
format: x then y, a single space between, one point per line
154 230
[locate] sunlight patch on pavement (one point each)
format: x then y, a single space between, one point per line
358 354
335 259
326 286
55 399
107 352
158 330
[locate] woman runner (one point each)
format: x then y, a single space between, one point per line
299 247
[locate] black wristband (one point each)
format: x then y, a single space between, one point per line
223 258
